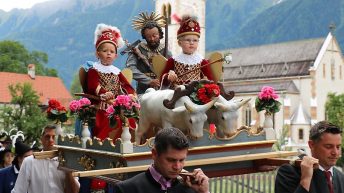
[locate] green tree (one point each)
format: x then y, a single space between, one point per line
75 87
14 57
281 141
334 114
24 113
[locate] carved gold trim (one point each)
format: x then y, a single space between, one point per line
61 159
87 162
119 163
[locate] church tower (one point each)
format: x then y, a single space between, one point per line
180 8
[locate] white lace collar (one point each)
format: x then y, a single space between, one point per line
106 69
192 59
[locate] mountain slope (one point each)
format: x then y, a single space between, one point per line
64 29
67 35
291 20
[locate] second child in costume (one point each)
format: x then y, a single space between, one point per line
104 79
189 65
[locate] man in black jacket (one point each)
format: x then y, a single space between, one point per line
316 173
169 154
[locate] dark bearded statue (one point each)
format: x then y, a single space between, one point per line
140 58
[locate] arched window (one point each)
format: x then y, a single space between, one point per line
301 137
248 115
333 69
324 71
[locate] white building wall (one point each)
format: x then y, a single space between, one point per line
325 84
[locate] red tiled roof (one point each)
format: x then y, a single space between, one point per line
46 87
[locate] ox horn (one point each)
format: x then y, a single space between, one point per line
192 107
222 107
207 106
242 102
231 107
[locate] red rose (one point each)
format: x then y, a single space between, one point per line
202 96
54 104
61 108
213 90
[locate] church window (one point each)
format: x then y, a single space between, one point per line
340 72
324 71
248 115
333 70
301 134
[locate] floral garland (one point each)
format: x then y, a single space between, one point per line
56 112
267 100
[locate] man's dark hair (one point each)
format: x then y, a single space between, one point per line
170 137
323 127
47 127
151 25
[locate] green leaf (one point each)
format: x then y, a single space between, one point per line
113 122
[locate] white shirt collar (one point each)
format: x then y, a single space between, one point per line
192 59
16 171
322 169
106 69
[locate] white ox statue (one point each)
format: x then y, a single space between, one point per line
186 116
225 115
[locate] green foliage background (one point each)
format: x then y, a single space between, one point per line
335 115
14 57
24 113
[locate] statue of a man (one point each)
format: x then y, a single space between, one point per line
140 58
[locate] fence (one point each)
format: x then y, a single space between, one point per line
247 183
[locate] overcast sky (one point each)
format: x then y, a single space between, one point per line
7 5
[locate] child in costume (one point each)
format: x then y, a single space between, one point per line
6 157
189 65
104 79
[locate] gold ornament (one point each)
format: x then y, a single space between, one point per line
140 21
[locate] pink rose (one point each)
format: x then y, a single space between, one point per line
123 100
137 105
267 93
84 101
110 110
74 105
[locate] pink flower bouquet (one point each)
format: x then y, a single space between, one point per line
123 107
83 109
267 100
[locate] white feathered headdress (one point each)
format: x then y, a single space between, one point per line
107 33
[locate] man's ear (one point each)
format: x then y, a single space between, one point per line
154 153
311 145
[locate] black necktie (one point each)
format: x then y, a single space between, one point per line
329 181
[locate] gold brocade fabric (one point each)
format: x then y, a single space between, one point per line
109 82
181 68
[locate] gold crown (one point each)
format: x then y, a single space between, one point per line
140 21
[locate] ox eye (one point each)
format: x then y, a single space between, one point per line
222 117
190 121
